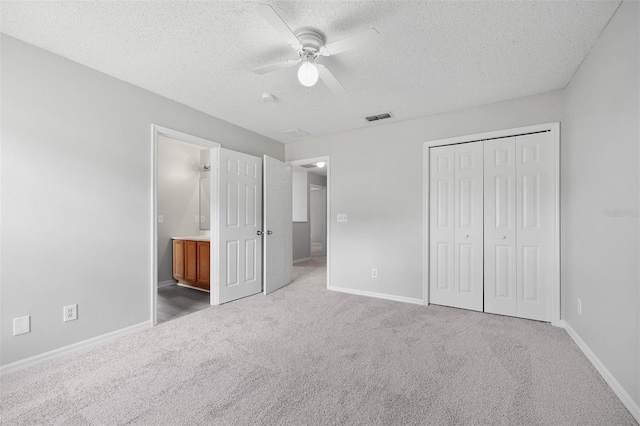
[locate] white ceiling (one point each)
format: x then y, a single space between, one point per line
432 56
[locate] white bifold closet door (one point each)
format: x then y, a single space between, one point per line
518 221
456 210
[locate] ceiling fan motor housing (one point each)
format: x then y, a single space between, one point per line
311 39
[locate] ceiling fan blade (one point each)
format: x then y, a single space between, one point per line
274 67
353 42
272 17
330 80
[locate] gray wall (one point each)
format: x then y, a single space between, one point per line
302 230
178 198
376 178
76 172
600 172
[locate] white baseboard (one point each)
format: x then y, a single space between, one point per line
166 283
378 295
66 350
613 383
304 259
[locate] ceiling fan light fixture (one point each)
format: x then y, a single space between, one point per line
308 74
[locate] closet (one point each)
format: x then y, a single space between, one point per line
490 225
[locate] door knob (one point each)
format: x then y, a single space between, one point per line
259 232
269 232
503 237
466 236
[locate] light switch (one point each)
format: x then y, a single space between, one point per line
342 217
197 218
160 218
21 325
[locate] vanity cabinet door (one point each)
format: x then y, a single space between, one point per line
178 259
190 261
203 265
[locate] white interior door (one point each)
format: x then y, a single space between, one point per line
237 247
278 229
534 206
441 225
500 226
468 213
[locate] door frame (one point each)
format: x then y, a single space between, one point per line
554 129
327 160
157 130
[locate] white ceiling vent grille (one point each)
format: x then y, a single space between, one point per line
378 117
297 133
308 166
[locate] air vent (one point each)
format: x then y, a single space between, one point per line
379 116
297 133
308 166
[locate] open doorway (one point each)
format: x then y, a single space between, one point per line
181 229
311 224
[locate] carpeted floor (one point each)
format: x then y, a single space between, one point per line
305 355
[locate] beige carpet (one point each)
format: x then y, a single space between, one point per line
305 355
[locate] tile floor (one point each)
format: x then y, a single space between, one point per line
175 301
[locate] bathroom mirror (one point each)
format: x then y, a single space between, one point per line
205 190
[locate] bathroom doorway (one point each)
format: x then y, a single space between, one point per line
181 226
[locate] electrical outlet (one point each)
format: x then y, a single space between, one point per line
374 273
21 325
160 218
342 217
197 218
70 313
580 306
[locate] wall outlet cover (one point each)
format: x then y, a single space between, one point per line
21 325
70 313
342 217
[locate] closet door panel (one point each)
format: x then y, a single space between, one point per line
468 205
441 225
534 203
500 226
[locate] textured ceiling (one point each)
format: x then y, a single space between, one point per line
432 56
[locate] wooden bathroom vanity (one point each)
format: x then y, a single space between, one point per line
191 262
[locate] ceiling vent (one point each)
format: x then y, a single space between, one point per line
308 166
378 117
297 133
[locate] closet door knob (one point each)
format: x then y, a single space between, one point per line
503 237
269 232
259 232
466 236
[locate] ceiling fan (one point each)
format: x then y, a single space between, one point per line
310 43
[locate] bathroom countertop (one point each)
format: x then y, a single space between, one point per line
194 238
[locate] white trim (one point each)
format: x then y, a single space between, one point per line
326 159
403 299
554 129
157 130
425 224
613 383
166 283
303 259
70 349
